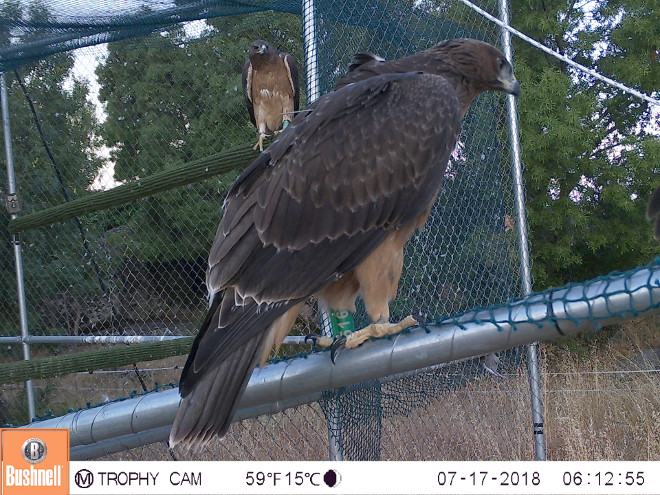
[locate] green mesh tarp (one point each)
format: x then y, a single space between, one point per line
65 26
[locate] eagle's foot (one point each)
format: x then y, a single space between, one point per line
354 339
260 143
285 123
378 330
319 340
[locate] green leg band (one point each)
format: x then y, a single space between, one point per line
342 323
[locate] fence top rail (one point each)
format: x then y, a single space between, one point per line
541 316
188 173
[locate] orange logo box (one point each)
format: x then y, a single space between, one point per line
34 461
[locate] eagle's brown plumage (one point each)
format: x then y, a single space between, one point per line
449 60
325 211
270 84
653 211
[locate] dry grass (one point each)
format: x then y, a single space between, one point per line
602 402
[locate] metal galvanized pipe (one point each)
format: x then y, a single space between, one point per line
539 317
533 371
16 241
87 339
311 50
112 339
332 415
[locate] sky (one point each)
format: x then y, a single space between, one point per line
86 61
84 8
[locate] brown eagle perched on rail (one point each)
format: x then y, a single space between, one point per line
270 84
326 211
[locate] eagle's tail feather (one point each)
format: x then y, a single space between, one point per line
228 346
208 409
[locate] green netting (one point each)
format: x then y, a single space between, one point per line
99 359
76 24
182 175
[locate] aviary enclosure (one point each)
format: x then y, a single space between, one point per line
109 272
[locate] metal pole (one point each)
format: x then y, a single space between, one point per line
335 450
311 45
333 416
113 339
533 371
16 240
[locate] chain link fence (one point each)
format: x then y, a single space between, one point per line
162 94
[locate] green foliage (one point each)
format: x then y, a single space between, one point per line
69 127
173 97
590 150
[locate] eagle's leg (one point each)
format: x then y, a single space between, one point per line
338 296
377 280
285 124
260 142
378 276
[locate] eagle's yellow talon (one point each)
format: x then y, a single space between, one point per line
320 340
260 143
378 330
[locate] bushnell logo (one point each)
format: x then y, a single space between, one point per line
34 450
35 461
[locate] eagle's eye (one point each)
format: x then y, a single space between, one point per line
502 63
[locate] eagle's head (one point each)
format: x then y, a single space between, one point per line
259 47
480 62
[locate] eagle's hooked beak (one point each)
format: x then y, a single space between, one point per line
509 82
511 86
262 49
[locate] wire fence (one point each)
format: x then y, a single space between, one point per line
143 95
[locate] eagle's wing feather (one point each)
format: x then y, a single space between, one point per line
362 58
292 70
366 65
309 209
343 173
247 90
219 384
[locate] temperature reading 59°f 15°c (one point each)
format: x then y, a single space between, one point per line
290 478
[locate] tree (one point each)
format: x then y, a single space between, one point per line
171 98
69 127
591 151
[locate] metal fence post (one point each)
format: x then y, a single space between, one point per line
335 450
333 414
311 49
533 370
16 240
